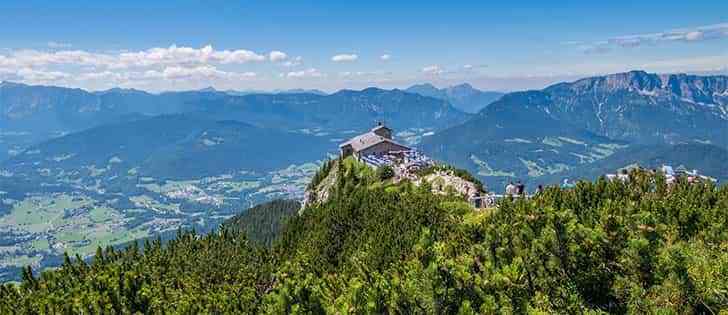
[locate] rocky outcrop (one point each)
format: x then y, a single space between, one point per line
707 90
443 182
321 191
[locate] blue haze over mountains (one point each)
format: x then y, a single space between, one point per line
85 169
540 135
155 162
462 96
634 108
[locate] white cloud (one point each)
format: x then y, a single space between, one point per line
108 78
34 58
344 57
685 35
277 56
595 48
174 55
200 72
53 44
349 74
39 76
471 67
432 70
84 68
6 62
385 57
367 76
694 36
294 62
308 73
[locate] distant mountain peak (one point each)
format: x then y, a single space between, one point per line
463 86
121 91
11 84
463 96
301 91
366 91
373 90
423 86
208 89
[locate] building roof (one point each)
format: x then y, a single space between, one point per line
364 141
367 140
380 127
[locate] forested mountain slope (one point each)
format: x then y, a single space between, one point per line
378 247
263 223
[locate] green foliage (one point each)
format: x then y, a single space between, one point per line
263 223
370 222
217 273
321 174
604 247
385 172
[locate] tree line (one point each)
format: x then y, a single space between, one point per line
377 248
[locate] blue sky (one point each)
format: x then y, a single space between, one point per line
511 45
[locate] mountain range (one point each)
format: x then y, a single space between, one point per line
526 135
643 107
343 110
24 107
173 147
82 169
32 114
463 96
289 91
522 135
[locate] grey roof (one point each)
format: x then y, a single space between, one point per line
381 127
366 140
